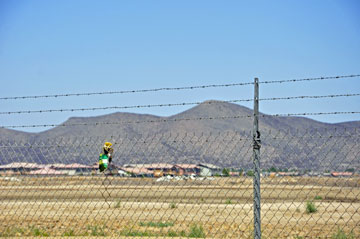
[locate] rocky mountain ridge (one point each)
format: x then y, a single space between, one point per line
212 132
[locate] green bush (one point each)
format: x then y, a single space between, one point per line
172 234
136 233
298 237
182 233
310 207
250 173
317 197
156 224
226 172
96 230
12 232
118 204
173 205
340 234
38 232
196 231
68 233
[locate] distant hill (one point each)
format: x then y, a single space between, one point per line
225 140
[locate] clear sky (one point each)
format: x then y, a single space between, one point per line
56 47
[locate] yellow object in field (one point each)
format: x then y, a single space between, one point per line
272 175
107 146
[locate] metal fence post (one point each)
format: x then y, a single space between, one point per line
256 161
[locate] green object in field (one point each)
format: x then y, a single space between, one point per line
103 162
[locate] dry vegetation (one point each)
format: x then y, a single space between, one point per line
142 207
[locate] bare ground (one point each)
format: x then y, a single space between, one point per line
220 208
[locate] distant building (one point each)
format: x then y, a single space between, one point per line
234 174
121 172
187 169
312 174
157 169
342 174
46 172
164 169
292 174
207 170
45 169
72 169
161 169
137 172
19 168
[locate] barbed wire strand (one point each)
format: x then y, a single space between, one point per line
177 119
309 97
175 88
174 104
317 113
127 91
311 79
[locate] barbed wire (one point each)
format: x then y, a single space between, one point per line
175 104
309 97
175 88
310 79
124 107
316 113
178 119
127 91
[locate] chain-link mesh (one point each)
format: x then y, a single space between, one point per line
311 188
182 185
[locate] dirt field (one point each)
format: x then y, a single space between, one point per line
142 207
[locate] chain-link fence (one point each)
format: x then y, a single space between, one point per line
192 185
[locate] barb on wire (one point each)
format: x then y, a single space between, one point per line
309 97
123 107
176 119
172 88
310 79
127 91
315 113
174 104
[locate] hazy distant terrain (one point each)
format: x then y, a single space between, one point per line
225 140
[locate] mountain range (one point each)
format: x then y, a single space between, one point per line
212 132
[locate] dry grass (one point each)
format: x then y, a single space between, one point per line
96 206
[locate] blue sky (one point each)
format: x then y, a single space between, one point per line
55 47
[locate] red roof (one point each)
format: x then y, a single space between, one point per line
137 170
77 165
339 174
56 165
158 166
234 173
187 166
21 165
68 166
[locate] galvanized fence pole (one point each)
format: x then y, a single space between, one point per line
256 161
